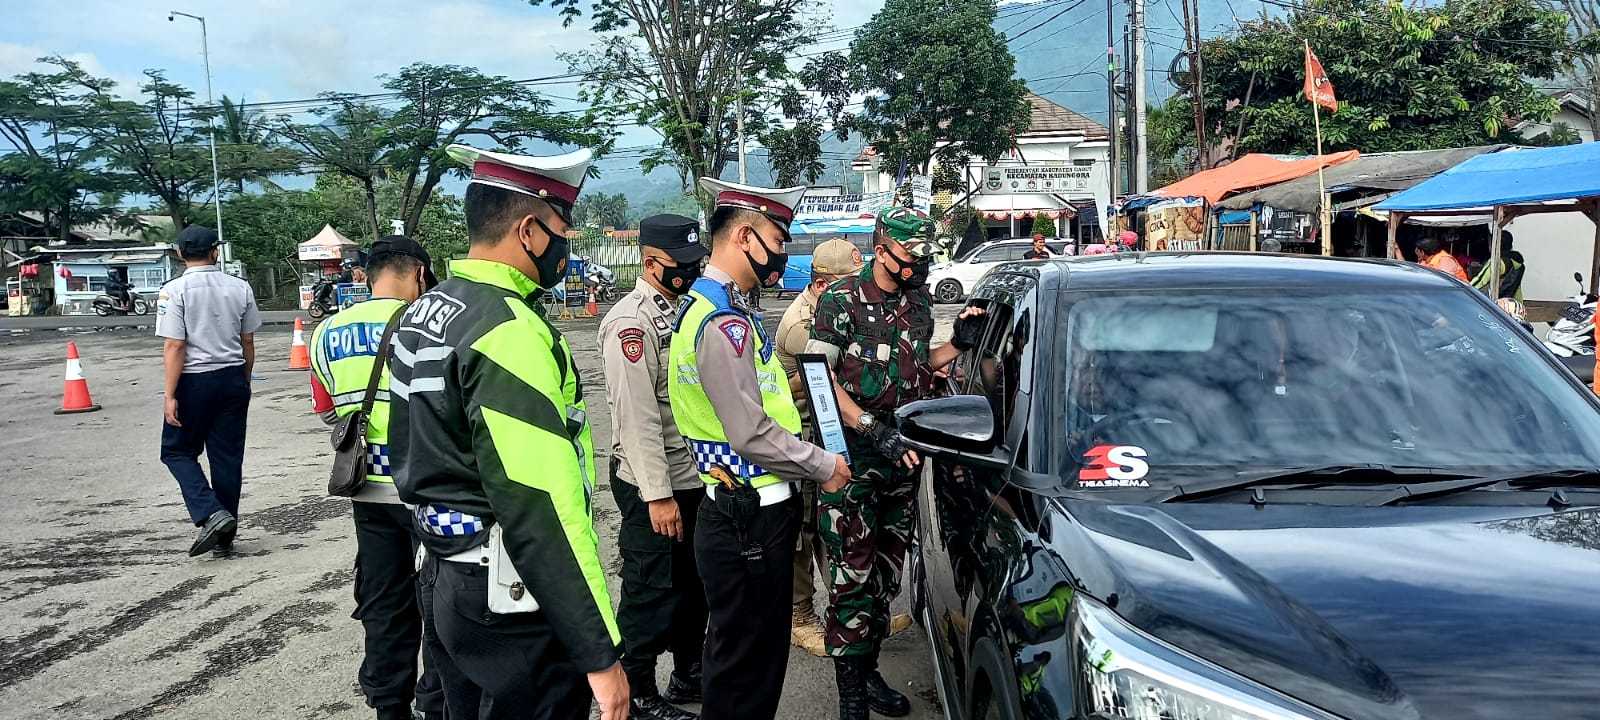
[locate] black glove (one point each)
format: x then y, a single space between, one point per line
888 441
968 332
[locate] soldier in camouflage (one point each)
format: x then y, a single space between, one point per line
876 329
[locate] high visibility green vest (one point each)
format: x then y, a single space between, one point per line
342 350
692 410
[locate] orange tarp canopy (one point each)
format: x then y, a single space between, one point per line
1248 173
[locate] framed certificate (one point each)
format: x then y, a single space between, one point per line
826 422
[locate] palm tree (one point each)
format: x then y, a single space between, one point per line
245 148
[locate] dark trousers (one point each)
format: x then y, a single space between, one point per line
389 610
511 665
212 408
663 605
747 642
455 693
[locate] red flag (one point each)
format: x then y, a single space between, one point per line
1318 89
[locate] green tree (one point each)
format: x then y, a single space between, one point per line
49 168
1408 77
246 151
1044 226
794 149
350 138
939 84
1584 30
684 68
445 104
601 210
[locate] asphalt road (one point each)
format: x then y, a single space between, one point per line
95 322
107 618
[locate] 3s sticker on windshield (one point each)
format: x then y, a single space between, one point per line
1114 466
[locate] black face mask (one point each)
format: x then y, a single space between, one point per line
677 278
553 264
908 276
770 273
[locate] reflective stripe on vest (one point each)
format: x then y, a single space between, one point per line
692 410
342 350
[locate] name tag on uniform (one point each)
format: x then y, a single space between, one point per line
826 423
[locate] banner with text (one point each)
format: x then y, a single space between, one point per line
1038 179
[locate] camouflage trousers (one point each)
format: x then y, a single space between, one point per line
866 528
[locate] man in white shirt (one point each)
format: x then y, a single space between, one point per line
209 320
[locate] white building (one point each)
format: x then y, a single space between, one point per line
1059 168
1574 113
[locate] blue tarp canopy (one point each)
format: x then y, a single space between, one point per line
1506 178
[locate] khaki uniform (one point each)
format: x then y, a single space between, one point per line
794 330
663 606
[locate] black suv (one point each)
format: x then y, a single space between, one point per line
1257 487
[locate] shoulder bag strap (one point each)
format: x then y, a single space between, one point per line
382 359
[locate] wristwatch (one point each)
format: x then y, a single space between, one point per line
866 423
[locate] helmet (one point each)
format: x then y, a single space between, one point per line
349 264
1513 307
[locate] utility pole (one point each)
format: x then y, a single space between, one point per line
216 181
740 121
1111 100
1136 106
1191 33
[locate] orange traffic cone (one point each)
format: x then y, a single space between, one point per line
299 358
75 396
593 308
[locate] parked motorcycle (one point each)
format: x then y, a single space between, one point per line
323 300
1571 338
601 280
106 305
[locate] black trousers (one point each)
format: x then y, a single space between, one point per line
663 607
747 642
390 611
506 667
212 407
456 693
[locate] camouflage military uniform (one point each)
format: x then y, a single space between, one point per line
883 363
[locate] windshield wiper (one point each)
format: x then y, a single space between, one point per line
1357 473
1587 477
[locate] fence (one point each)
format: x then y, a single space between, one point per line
619 255
1234 237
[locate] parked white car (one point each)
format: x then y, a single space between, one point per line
953 280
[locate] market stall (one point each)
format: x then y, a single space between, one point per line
321 256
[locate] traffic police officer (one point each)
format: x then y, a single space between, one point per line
343 349
208 320
490 442
734 408
875 328
830 262
653 478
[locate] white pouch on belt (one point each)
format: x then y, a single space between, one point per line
507 593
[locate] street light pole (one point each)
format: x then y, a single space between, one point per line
216 180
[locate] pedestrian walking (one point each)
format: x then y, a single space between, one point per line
876 329
208 319
831 262
344 349
663 606
490 441
736 412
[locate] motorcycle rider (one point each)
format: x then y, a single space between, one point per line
347 274
1512 269
119 289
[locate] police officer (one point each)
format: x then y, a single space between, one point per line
490 441
343 349
209 320
830 262
653 478
734 408
876 328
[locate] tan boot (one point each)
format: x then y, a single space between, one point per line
898 624
805 631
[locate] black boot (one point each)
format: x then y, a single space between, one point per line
649 705
684 687
883 700
851 670
394 712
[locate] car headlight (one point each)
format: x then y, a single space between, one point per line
1128 674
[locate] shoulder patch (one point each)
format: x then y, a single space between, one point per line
662 304
738 333
632 343
660 322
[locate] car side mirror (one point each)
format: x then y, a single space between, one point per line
960 428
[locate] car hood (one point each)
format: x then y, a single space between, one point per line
1423 612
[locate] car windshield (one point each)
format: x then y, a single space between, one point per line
1165 385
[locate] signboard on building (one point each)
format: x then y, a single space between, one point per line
840 207
1033 179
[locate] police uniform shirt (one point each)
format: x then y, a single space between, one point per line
736 396
650 452
208 310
